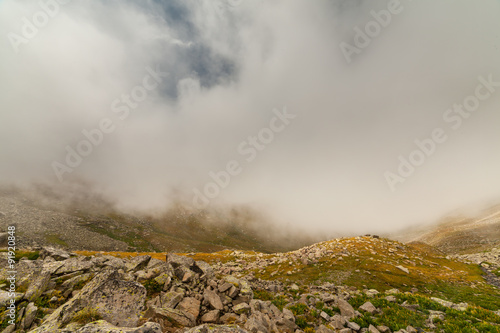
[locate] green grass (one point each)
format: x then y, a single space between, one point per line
460 283
56 239
263 295
396 317
152 287
31 255
299 309
86 315
485 296
280 302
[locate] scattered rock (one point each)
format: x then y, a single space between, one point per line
404 269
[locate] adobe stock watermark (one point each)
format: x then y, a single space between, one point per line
454 118
248 149
10 304
40 19
372 29
94 137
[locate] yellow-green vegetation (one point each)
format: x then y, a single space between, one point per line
397 317
5 321
56 239
364 262
86 315
119 254
152 287
31 255
211 258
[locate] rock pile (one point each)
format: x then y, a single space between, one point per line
61 292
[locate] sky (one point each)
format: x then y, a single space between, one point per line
343 116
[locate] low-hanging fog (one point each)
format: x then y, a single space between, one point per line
217 73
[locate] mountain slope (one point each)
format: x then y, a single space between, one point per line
459 234
82 220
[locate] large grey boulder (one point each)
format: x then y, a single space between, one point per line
56 254
137 263
5 298
170 299
38 286
203 269
30 315
119 302
213 299
177 261
115 300
368 307
75 264
346 309
168 317
190 305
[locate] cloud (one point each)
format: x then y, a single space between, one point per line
229 64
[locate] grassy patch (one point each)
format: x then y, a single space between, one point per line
86 315
396 317
56 239
31 255
152 287
280 302
263 295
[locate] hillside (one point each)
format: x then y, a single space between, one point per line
84 220
360 284
459 234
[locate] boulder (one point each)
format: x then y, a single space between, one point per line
116 300
241 308
323 329
368 307
190 305
213 299
211 317
74 264
137 263
30 315
404 269
9 329
353 326
168 317
346 309
170 299
119 302
5 298
177 261
204 269
54 253
37 286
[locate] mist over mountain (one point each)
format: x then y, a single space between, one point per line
336 116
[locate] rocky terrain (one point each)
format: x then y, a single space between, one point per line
79 218
360 284
459 233
489 262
